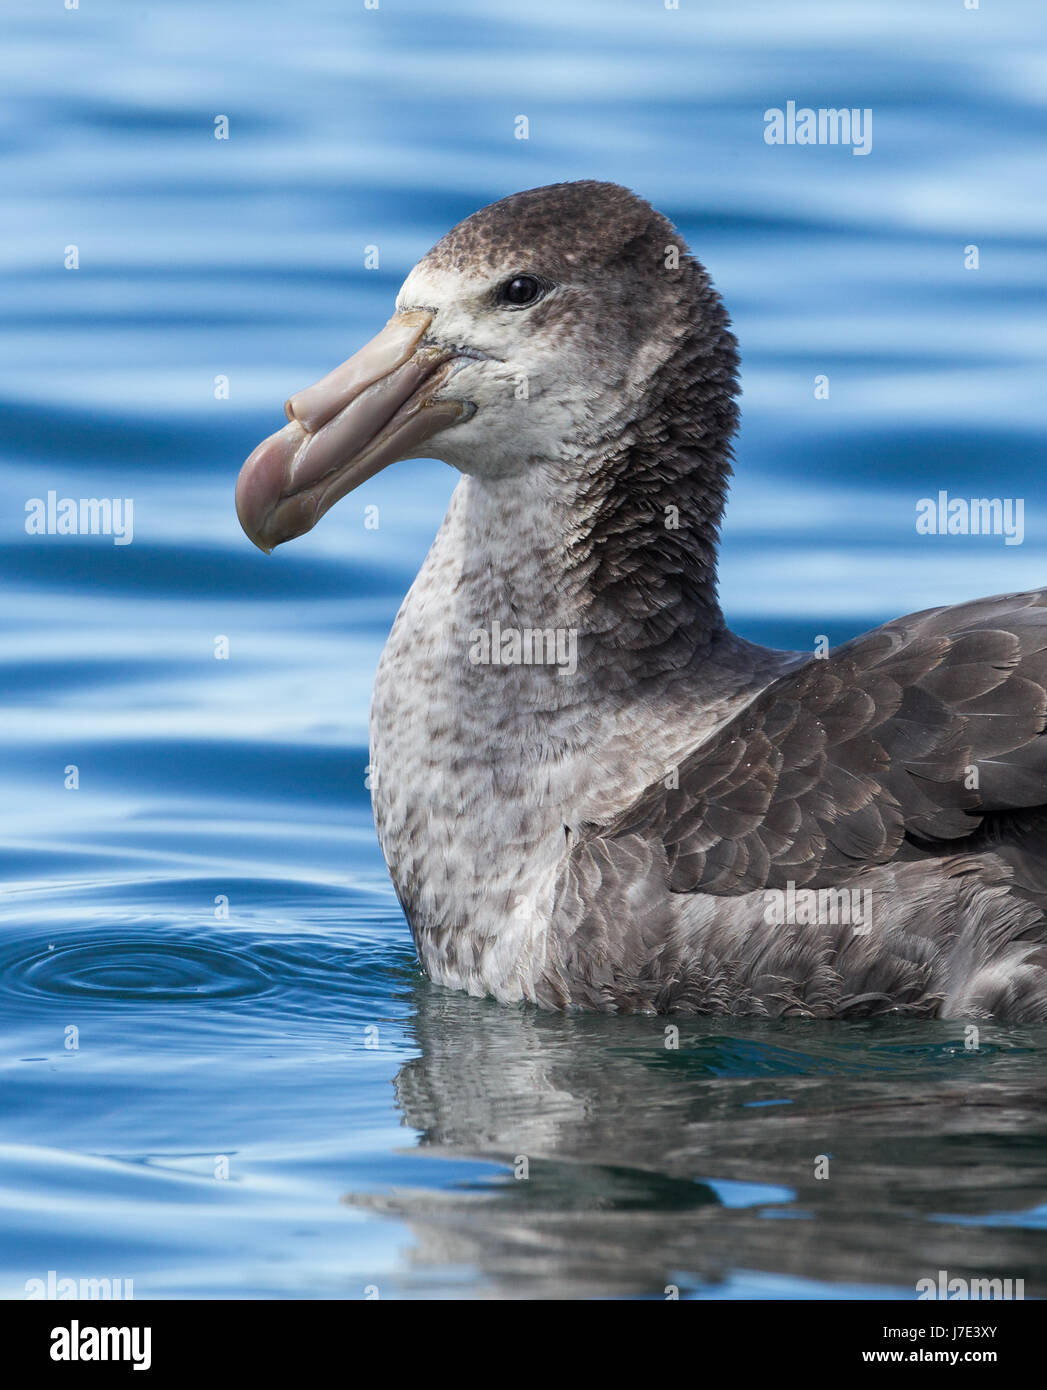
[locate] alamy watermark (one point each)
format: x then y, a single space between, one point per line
81 516
53 1287
79 1342
819 907
528 646
960 1288
976 516
828 125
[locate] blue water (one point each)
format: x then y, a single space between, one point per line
222 1072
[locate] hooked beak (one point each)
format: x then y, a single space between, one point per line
373 410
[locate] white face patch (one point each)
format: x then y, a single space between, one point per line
537 396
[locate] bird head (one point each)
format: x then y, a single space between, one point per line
531 333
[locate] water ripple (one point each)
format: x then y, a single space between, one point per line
133 967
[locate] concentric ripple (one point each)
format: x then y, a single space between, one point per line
130 967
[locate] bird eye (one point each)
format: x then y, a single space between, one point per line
521 291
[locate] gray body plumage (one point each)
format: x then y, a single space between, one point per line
612 838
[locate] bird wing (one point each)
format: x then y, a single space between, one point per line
917 729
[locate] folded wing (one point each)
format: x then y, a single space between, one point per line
907 736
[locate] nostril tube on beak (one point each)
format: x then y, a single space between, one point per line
377 407
396 343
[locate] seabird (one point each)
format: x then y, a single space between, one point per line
588 790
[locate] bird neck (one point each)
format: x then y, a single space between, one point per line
627 542
624 561
652 506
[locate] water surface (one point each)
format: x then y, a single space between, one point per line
265 1098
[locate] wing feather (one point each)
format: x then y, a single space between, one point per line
918 729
